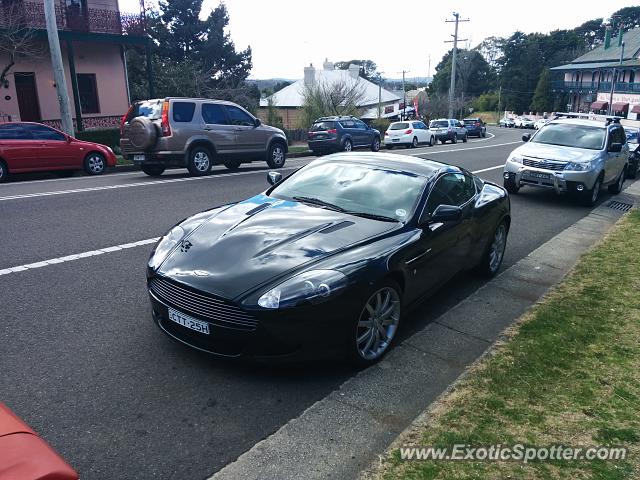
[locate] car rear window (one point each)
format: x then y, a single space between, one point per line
471 121
398 126
183 111
322 126
438 124
152 109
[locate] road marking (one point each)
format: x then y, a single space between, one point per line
116 248
462 149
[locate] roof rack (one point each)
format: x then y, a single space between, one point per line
589 116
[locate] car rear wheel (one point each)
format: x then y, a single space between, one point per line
4 172
492 259
153 170
590 197
455 138
617 187
432 141
377 324
347 146
199 163
232 164
95 164
464 139
375 146
414 142
276 155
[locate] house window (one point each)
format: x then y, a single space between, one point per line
88 92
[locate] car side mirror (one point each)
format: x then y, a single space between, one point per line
446 213
526 137
274 177
68 138
257 122
615 147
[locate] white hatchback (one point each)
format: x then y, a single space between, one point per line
410 133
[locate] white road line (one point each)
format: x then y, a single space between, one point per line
116 248
462 149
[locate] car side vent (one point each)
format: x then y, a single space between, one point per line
621 206
337 226
257 209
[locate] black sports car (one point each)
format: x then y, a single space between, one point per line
326 260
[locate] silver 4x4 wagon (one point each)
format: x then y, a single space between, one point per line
572 155
197 133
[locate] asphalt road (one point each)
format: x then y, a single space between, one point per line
84 365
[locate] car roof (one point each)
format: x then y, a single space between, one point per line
580 121
418 166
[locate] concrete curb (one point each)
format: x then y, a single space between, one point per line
340 435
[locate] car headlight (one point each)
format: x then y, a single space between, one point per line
515 159
165 245
315 286
578 166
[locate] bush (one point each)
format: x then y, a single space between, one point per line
107 136
380 124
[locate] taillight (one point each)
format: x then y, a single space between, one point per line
333 131
124 120
386 134
450 129
477 124
164 122
408 132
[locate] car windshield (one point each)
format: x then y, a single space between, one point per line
632 134
152 109
571 135
398 126
322 126
438 124
356 188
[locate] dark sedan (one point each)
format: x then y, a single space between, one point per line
327 260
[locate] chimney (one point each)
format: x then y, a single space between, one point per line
607 37
309 75
620 33
354 71
327 65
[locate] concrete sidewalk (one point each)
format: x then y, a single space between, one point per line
343 433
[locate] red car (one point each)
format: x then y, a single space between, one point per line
33 147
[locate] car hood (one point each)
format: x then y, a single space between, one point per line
250 243
556 152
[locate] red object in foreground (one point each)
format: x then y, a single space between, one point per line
25 456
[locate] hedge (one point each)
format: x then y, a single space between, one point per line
107 136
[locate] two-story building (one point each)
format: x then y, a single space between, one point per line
92 35
606 79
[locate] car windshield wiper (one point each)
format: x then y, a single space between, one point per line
373 216
321 203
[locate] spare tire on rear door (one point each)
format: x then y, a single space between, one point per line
142 133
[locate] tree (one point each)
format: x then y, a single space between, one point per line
543 96
472 70
339 98
368 68
16 40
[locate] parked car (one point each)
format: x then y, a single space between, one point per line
448 129
325 253
409 134
571 155
197 133
475 127
34 147
540 123
506 122
634 153
523 122
334 134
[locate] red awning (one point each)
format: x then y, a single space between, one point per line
635 109
599 105
620 107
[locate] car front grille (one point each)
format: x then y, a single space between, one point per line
544 164
215 310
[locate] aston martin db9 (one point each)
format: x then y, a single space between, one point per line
327 260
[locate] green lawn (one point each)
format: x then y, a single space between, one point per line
569 374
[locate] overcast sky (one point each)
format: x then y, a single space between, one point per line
287 35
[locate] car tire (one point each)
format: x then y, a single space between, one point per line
200 161
4 172
232 164
590 196
364 345
277 155
464 139
455 138
414 142
347 146
492 258
95 164
484 134
432 141
632 170
510 186
616 188
153 170
375 146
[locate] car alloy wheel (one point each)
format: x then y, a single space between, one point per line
414 143
376 145
276 156
617 187
347 146
199 162
591 196
496 250
94 164
378 324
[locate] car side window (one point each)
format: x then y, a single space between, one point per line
42 132
239 117
183 111
360 125
13 132
348 124
617 136
212 113
451 189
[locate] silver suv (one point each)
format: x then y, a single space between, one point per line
572 155
197 133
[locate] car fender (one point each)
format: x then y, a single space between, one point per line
198 139
278 137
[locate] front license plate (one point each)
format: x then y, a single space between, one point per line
138 158
189 322
544 176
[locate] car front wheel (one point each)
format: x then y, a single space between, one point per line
4 173
590 197
377 324
375 146
492 259
617 187
95 164
414 142
276 155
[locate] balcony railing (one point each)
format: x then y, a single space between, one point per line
622 87
74 18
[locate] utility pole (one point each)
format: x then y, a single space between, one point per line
58 68
452 88
379 74
404 95
499 99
